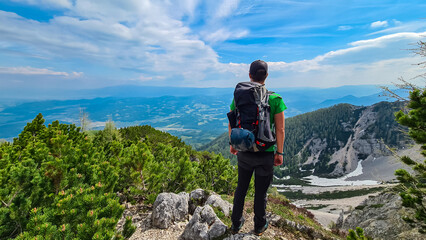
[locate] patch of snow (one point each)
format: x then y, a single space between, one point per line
283 178
325 182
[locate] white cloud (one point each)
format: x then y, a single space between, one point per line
414 26
77 74
226 8
374 61
223 34
36 71
379 24
47 3
344 28
133 34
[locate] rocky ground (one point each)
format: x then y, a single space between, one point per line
246 233
195 216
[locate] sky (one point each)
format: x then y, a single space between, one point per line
85 44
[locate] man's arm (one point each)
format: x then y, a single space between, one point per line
280 132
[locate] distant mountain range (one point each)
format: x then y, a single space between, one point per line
125 91
197 115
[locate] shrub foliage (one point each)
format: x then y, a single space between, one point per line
57 182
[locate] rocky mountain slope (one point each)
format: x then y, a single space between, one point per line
381 217
331 141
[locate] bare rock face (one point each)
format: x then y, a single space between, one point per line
204 225
216 201
381 218
169 208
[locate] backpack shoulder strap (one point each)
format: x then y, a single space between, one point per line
273 93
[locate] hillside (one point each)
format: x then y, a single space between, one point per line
331 141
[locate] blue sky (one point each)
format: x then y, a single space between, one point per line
78 44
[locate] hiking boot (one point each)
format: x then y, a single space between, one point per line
260 231
235 230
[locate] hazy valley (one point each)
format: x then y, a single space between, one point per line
196 115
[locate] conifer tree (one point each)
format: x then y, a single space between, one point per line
413 192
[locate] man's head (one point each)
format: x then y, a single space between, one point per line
258 71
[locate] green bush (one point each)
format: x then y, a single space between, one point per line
357 235
57 182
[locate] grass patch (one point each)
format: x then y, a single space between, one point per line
228 198
226 220
331 195
360 207
316 207
291 181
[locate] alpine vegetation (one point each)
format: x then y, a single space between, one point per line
58 182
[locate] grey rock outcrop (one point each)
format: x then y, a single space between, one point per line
216 201
198 197
381 218
273 219
169 208
339 221
204 225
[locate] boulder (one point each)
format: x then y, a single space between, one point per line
169 208
216 201
204 225
198 197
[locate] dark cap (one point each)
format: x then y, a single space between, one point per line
258 65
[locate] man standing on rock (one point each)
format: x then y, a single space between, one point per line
259 162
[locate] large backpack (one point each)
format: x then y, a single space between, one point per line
250 121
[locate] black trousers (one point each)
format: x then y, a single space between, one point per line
261 163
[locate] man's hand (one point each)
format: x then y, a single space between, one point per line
232 150
278 159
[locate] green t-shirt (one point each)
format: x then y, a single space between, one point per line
277 106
